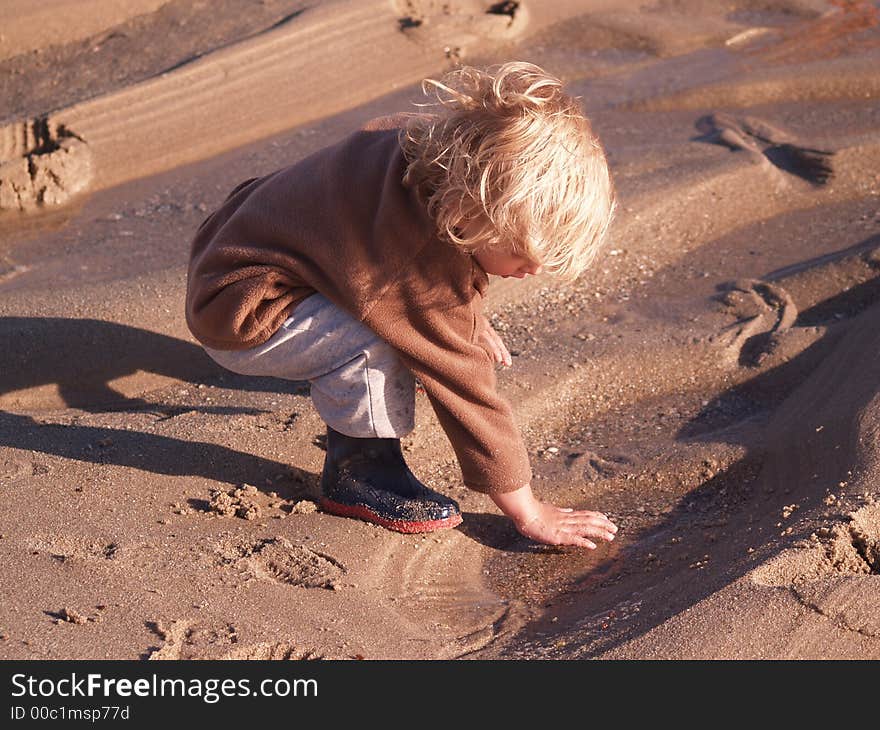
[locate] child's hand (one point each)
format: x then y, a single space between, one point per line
553 525
489 340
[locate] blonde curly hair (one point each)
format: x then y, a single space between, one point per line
510 156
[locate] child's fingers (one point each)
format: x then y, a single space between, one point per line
492 348
502 354
494 344
501 349
593 524
597 522
597 534
582 542
587 515
592 535
505 353
590 513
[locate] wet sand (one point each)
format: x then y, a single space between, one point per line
711 384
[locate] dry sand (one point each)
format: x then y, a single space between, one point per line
711 383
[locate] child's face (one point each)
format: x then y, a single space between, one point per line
502 263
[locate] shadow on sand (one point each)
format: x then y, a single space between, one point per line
83 356
737 511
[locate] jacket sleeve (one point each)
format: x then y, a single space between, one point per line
429 315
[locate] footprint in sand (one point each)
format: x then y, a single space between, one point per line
764 312
765 144
185 640
41 163
277 559
65 548
10 271
590 466
12 470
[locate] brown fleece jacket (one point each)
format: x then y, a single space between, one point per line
341 222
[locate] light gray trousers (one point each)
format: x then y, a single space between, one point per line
359 385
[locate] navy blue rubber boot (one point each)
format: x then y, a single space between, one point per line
367 478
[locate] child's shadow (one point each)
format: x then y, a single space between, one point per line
82 357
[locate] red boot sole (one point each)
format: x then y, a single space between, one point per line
408 526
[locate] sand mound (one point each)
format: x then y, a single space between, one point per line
460 24
828 428
834 417
848 548
41 163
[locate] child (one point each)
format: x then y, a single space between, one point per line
365 264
